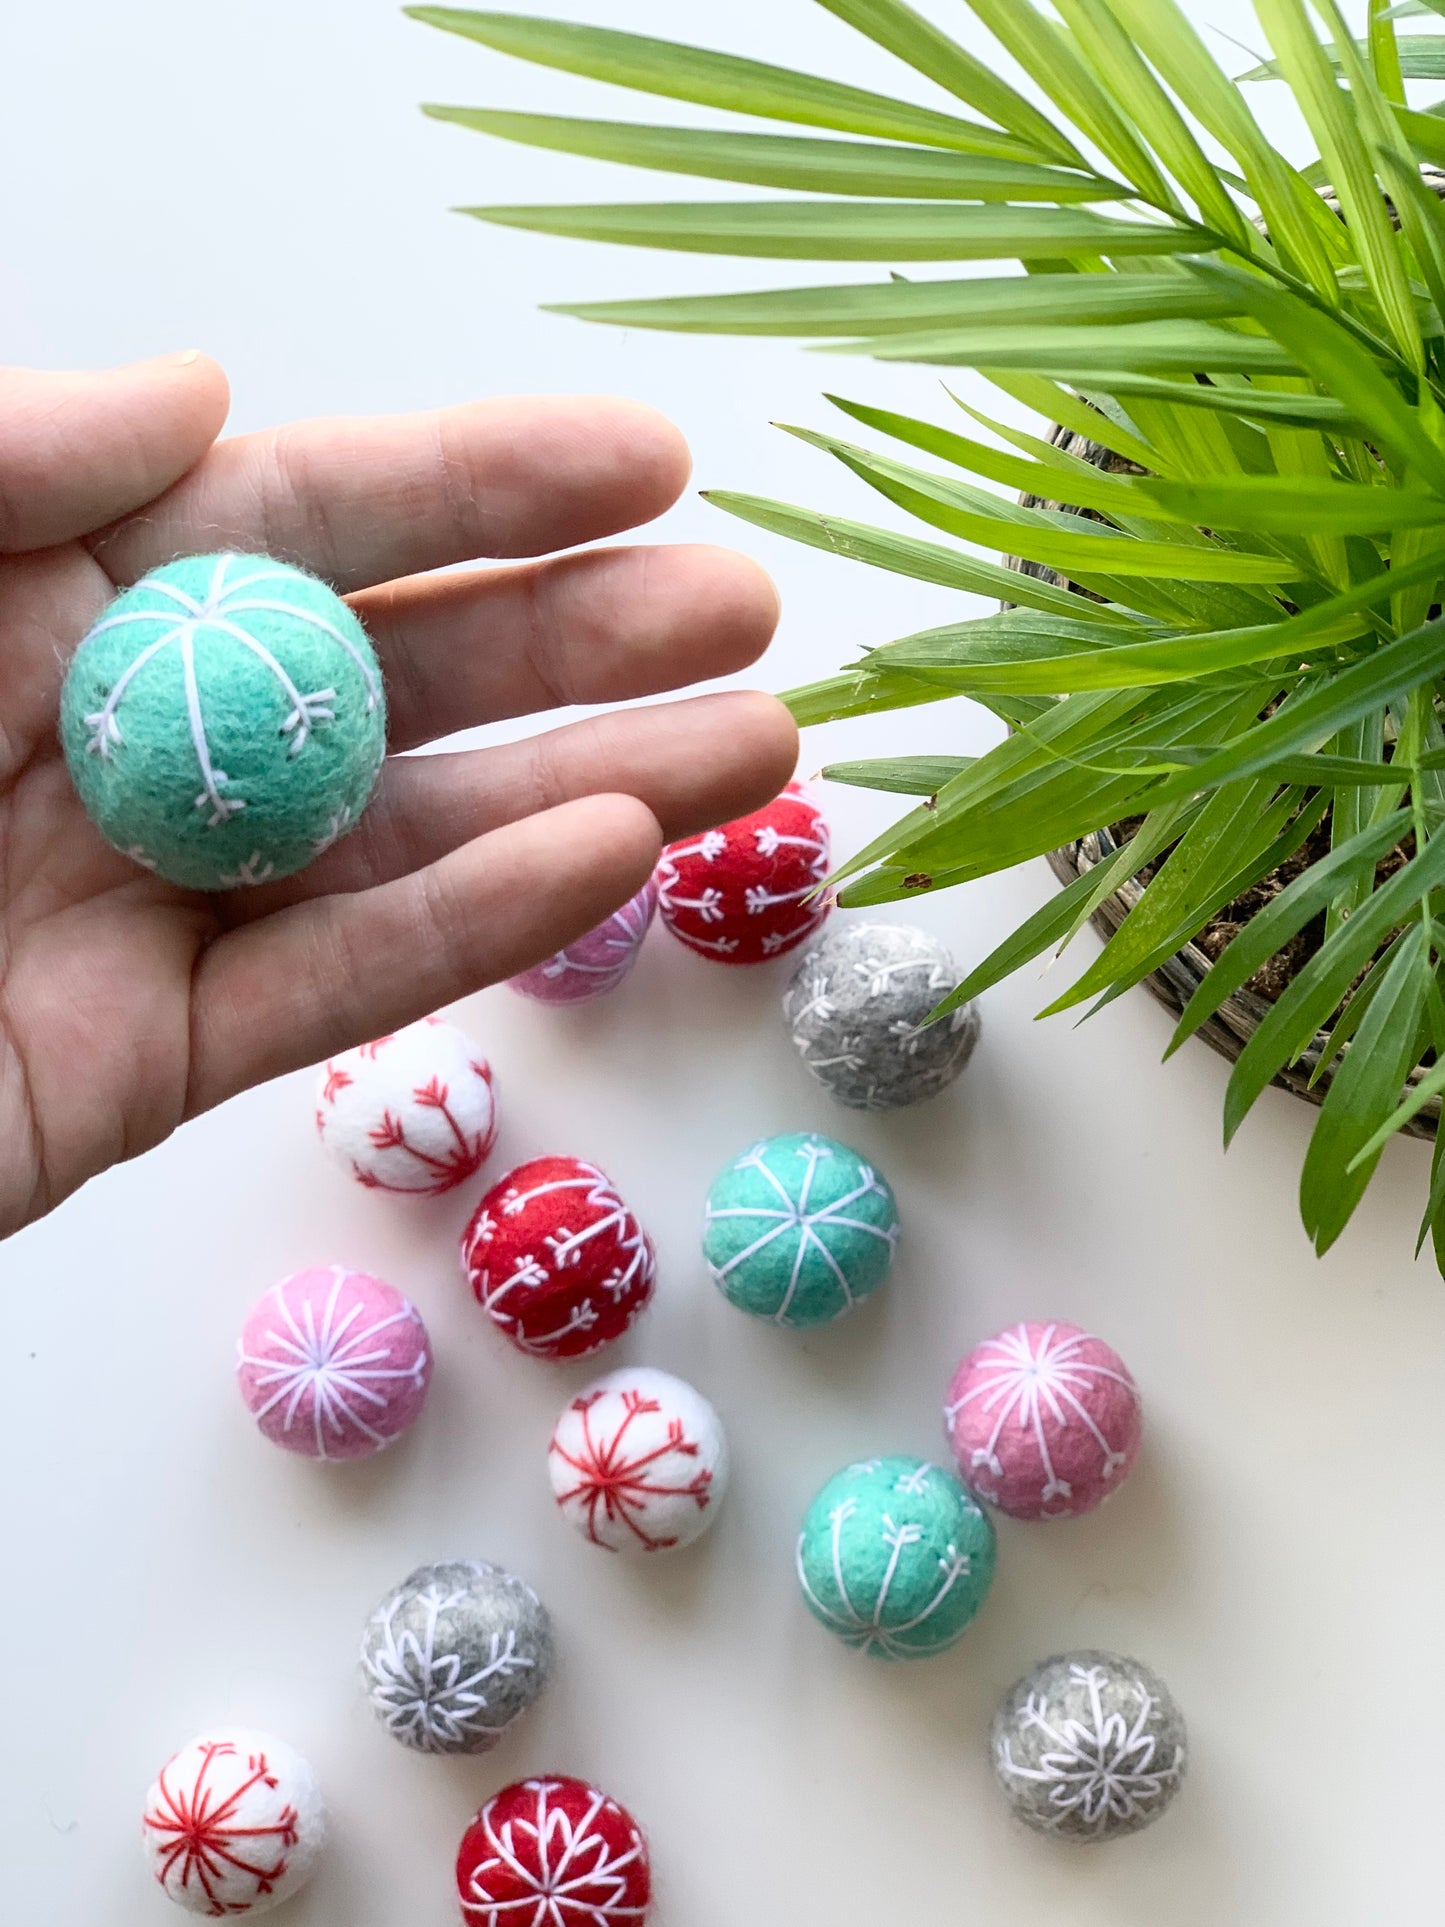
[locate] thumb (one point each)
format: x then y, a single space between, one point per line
77 450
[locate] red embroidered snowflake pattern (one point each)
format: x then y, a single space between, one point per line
553 1853
210 1838
638 1461
557 1260
749 891
414 1112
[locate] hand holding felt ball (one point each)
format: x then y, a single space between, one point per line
173 1000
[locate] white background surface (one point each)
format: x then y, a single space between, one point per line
254 179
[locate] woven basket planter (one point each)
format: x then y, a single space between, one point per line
1175 982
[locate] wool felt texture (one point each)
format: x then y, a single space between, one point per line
597 962
1089 1746
799 1229
857 1010
334 1364
750 890
455 1656
554 1853
639 1462
1044 1420
895 1557
224 720
234 1824
556 1259
415 1111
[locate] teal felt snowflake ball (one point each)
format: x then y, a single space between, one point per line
224 720
799 1229
896 1557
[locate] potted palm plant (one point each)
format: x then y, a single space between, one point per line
1220 655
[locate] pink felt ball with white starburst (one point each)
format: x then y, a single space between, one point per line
334 1364
751 889
415 1111
639 1462
597 962
1044 1420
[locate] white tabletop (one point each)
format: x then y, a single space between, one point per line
255 180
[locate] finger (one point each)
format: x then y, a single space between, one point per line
79 449
360 501
604 626
321 976
693 764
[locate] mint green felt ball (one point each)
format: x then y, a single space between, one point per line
799 1229
224 720
895 1557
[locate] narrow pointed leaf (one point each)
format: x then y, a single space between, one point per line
906 776
911 38
909 306
1365 1089
903 554
678 72
811 166
1157 347
855 231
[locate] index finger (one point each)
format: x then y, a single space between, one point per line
362 500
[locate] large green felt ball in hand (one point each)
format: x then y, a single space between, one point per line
895 1557
224 720
799 1229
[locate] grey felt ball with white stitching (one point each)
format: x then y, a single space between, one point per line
857 1005
1089 1746
455 1655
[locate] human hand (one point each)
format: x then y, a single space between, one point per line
128 1005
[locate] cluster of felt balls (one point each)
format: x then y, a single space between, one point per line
225 724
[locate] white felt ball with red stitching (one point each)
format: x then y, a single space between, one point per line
639 1462
415 1111
234 1824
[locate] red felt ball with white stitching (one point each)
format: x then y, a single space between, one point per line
745 892
554 1853
557 1260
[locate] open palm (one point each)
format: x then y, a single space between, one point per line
127 1005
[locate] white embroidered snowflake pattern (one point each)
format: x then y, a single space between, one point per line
869 1632
606 955
1037 1379
229 598
426 1698
1102 1772
795 1217
544 1866
715 887
326 1372
563 1250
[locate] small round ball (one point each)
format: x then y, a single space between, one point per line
334 1364
597 962
1044 1420
895 1557
234 1824
416 1111
224 720
554 1853
746 892
857 1008
799 1229
455 1656
556 1259
639 1462
1089 1746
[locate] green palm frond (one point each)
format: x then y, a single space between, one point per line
1225 634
